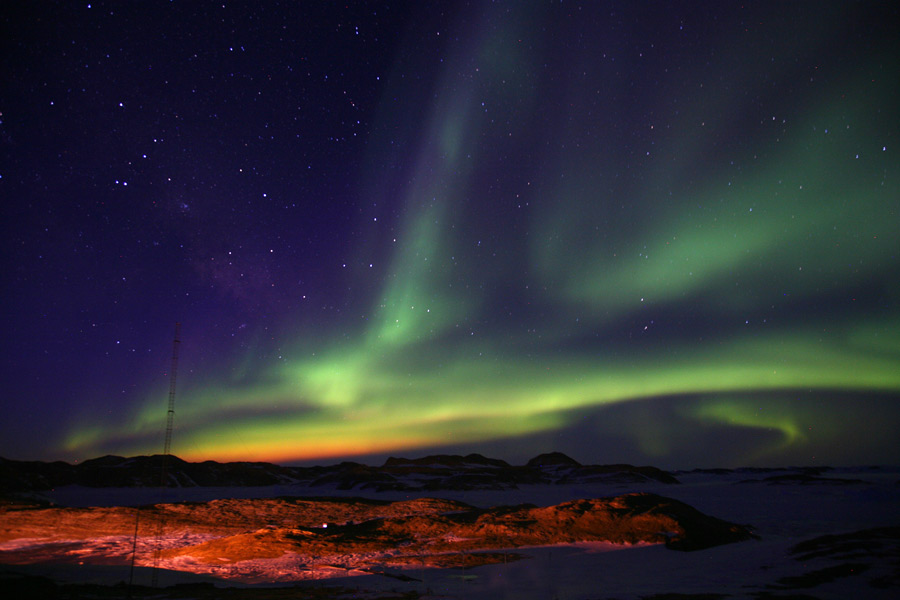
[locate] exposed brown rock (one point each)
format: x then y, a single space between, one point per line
355 533
629 519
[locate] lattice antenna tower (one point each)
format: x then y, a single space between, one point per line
170 415
167 447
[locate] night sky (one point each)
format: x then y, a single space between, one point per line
653 232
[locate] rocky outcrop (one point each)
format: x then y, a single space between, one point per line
437 527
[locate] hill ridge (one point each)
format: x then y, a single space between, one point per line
428 473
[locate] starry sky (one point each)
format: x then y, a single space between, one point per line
652 232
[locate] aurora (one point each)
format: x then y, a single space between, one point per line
665 238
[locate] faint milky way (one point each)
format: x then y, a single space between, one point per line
631 234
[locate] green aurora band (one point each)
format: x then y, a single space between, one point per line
510 313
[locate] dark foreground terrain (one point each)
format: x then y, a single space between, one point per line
442 527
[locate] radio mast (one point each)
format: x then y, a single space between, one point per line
170 416
167 447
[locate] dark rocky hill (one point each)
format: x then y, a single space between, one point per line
430 473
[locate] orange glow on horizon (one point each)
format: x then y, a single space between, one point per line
286 454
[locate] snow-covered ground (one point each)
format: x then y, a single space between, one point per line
782 514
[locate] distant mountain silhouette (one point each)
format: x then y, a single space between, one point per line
552 459
429 473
